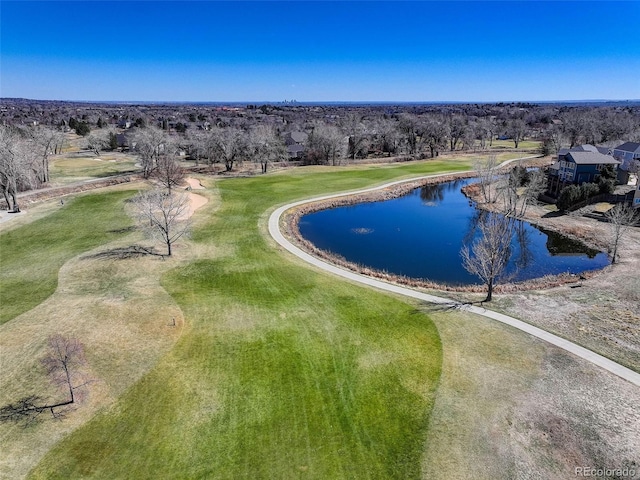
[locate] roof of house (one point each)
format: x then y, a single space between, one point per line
592 158
298 137
629 147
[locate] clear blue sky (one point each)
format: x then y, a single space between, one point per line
320 51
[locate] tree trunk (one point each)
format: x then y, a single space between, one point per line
16 208
489 291
6 199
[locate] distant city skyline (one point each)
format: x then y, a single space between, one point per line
415 52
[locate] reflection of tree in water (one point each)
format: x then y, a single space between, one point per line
435 193
525 257
474 221
520 233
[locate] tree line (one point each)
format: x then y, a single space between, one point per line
334 134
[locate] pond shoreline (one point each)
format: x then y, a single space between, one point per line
291 219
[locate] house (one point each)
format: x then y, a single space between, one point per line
629 154
578 165
295 151
295 142
124 123
295 138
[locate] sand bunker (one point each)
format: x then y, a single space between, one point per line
194 184
195 202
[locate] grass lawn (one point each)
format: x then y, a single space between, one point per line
69 169
523 145
32 255
281 371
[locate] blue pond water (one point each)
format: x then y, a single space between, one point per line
420 235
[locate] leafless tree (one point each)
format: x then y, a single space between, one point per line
621 218
64 364
168 172
536 185
457 129
387 133
163 215
490 252
483 132
266 147
229 145
487 170
18 165
517 129
408 128
434 134
99 140
48 141
150 143
356 131
327 142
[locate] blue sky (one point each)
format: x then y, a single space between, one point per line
320 51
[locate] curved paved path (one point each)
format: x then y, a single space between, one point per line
594 358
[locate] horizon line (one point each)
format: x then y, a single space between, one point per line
326 102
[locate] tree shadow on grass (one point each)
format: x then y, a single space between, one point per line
123 253
448 306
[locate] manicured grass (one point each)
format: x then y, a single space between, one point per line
65 170
282 372
523 145
31 255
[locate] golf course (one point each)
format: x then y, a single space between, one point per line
234 359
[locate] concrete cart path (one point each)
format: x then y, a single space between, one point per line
584 353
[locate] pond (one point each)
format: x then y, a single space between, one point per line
420 235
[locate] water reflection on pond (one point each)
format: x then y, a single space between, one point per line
420 235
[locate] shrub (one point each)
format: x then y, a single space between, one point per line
588 190
570 195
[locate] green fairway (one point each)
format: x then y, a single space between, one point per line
32 254
66 170
281 372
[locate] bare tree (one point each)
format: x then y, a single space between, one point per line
434 134
621 218
457 130
328 142
149 143
408 128
483 130
18 166
491 250
517 129
536 185
356 131
64 364
163 215
99 140
228 145
168 172
387 133
48 141
487 170
266 147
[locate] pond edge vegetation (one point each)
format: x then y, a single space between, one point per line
290 228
